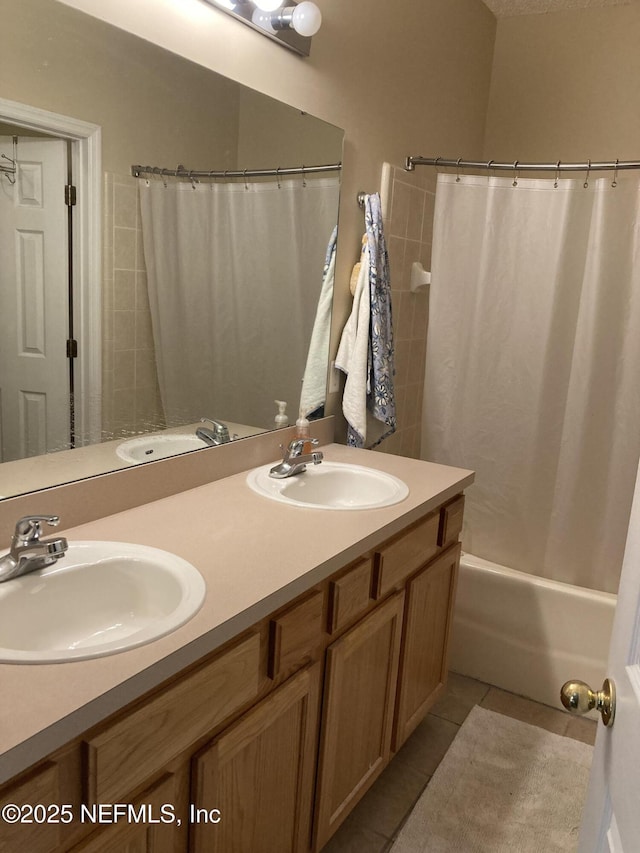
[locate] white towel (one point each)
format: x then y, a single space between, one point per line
314 383
353 353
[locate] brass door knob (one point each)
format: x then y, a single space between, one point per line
578 698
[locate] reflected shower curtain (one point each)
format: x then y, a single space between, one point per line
234 276
533 368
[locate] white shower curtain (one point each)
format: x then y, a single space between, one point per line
234 276
533 367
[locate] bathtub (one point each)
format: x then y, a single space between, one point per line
527 634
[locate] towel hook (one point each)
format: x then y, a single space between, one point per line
555 183
458 170
515 169
614 182
9 174
362 197
586 179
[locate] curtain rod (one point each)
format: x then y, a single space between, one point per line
181 172
559 166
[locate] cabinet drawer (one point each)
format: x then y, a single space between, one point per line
140 744
295 634
349 595
451 522
396 560
40 789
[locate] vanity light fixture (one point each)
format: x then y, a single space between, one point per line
267 5
305 18
290 24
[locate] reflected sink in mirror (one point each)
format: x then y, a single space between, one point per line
100 598
331 485
146 448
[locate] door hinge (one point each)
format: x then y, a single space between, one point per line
69 195
72 348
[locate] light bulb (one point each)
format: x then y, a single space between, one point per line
268 5
306 18
263 20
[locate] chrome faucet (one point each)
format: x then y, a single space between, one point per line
218 435
28 551
295 462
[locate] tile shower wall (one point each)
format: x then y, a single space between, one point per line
410 202
131 399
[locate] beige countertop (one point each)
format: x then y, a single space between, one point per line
40 472
254 554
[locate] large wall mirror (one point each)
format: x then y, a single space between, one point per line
158 300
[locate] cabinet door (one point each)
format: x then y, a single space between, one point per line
258 774
150 827
424 660
359 695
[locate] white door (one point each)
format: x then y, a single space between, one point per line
611 820
34 369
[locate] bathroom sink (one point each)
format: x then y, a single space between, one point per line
331 485
146 448
100 598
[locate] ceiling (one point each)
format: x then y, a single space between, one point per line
509 8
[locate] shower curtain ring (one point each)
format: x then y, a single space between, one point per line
555 183
244 175
435 164
515 169
278 178
304 178
614 182
458 170
586 179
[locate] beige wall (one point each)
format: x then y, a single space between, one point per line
565 86
150 111
272 133
400 78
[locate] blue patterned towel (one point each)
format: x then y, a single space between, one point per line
368 402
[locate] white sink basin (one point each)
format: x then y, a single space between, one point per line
331 485
146 448
100 598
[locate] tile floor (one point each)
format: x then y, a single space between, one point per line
377 819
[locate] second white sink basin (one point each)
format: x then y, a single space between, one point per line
100 598
146 448
331 485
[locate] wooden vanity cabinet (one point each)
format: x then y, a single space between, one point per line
430 597
359 696
259 773
130 836
283 730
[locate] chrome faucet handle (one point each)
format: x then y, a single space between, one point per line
296 446
29 528
219 428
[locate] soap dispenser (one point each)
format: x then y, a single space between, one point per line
303 430
281 419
